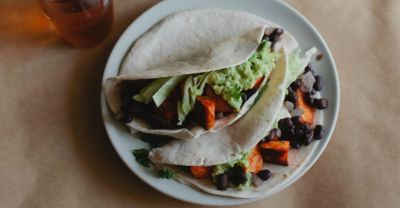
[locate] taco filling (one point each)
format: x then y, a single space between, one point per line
295 126
197 99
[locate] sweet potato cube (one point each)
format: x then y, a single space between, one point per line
277 146
255 161
220 104
205 112
308 115
275 152
258 82
281 159
168 109
200 171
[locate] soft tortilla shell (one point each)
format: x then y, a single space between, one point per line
189 42
297 159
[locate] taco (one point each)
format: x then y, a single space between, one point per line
195 72
250 157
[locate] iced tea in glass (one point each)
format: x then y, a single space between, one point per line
82 23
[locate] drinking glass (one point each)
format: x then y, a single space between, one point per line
82 23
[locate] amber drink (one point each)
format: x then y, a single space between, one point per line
82 23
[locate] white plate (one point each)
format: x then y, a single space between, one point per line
273 10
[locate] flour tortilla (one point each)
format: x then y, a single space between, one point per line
192 42
297 159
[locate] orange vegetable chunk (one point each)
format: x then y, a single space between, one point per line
205 111
220 104
200 171
276 152
255 161
308 115
258 82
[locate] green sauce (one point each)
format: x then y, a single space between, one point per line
231 82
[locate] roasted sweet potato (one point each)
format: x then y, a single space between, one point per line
220 104
204 112
258 82
255 161
275 152
308 115
277 146
168 109
200 171
281 159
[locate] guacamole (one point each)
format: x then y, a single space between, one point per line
231 82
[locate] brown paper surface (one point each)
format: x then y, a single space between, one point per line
54 151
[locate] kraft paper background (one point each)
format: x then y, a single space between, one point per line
54 151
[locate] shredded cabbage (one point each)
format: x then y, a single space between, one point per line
146 94
193 87
297 64
166 89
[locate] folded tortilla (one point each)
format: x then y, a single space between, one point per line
297 159
192 42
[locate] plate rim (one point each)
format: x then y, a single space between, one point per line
309 163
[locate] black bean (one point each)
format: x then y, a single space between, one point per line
238 177
156 121
321 103
278 31
295 85
285 123
222 182
132 107
296 120
299 133
250 92
308 137
318 84
227 113
308 98
313 92
291 96
264 174
294 144
125 108
271 135
126 99
319 132
303 127
287 134
255 180
319 57
273 38
308 68
244 97
126 118
265 37
275 35
219 115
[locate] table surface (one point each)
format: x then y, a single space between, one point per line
55 152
